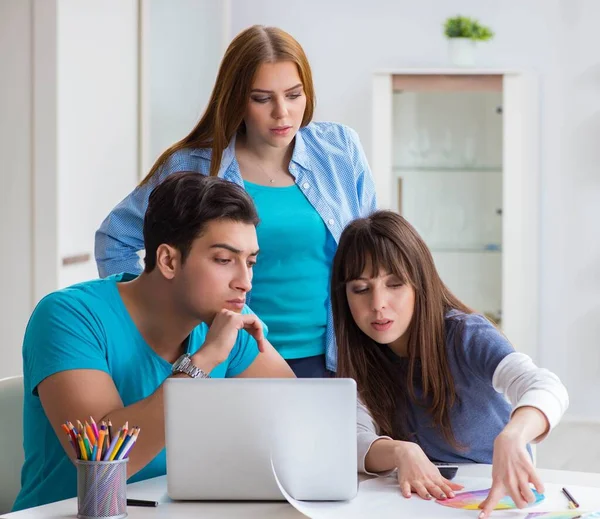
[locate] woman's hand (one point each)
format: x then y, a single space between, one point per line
417 474
512 471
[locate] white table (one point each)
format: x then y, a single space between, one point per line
155 489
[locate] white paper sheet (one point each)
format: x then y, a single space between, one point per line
381 498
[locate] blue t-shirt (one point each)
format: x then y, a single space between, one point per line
87 326
291 278
475 348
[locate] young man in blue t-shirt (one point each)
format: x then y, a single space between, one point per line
103 348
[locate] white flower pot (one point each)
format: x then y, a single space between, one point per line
462 51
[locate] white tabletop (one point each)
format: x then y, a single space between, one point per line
155 489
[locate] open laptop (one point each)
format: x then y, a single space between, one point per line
225 438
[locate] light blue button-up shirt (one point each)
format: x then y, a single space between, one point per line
328 165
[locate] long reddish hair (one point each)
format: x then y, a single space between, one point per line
385 241
224 115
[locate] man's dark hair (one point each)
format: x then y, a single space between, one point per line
181 206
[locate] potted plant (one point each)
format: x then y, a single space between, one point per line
463 33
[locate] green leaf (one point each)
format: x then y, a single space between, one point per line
465 27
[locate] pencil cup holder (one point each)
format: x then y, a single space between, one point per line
101 489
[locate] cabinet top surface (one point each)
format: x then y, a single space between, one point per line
454 71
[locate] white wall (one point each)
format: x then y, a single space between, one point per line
182 45
15 179
346 40
571 212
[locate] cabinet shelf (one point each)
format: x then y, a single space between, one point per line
445 158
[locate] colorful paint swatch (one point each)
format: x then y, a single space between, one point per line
472 500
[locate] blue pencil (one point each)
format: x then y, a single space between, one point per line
124 444
124 453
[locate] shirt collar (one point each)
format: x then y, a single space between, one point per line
226 158
300 155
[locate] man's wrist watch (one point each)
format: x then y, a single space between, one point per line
184 365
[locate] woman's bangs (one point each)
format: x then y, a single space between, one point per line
371 255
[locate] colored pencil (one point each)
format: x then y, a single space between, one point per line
110 449
125 452
82 448
88 447
94 427
91 443
90 433
128 440
120 440
102 435
572 501
72 432
68 433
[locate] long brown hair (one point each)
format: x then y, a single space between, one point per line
224 113
385 241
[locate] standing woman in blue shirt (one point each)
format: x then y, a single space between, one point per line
307 180
436 381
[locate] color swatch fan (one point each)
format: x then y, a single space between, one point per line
472 500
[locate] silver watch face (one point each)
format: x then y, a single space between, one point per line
181 363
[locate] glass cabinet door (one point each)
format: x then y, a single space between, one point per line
447 157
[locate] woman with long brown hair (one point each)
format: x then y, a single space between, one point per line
437 382
307 180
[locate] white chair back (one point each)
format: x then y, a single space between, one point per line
11 440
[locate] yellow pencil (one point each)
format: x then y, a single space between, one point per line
82 448
118 445
88 447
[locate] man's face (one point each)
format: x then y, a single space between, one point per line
217 273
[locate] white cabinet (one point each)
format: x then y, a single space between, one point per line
85 130
456 153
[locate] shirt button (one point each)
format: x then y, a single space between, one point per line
305 185
331 221
292 166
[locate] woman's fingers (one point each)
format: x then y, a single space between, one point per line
454 486
421 490
446 489
435 489
514 491
490 502
525 491
537 482
405 488
429 489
